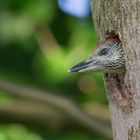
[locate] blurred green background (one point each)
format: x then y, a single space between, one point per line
39 41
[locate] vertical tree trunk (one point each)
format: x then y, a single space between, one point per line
123 91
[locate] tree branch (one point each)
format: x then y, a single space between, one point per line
31 113
34 114
60 103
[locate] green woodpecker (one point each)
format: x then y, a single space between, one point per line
108 57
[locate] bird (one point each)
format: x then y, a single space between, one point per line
108 57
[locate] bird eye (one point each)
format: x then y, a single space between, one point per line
104 51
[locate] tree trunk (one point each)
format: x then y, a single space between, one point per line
123 91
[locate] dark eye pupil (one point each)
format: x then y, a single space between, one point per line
104 51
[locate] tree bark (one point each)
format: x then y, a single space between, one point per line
123 91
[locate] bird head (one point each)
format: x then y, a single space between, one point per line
108 57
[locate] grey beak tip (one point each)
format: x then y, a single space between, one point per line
72 70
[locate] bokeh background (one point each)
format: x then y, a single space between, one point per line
39 41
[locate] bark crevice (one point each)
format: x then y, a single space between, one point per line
122 97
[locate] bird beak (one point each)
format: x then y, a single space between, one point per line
81 67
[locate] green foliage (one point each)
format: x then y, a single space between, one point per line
27 58
17 132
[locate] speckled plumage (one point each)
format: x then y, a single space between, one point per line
108 57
